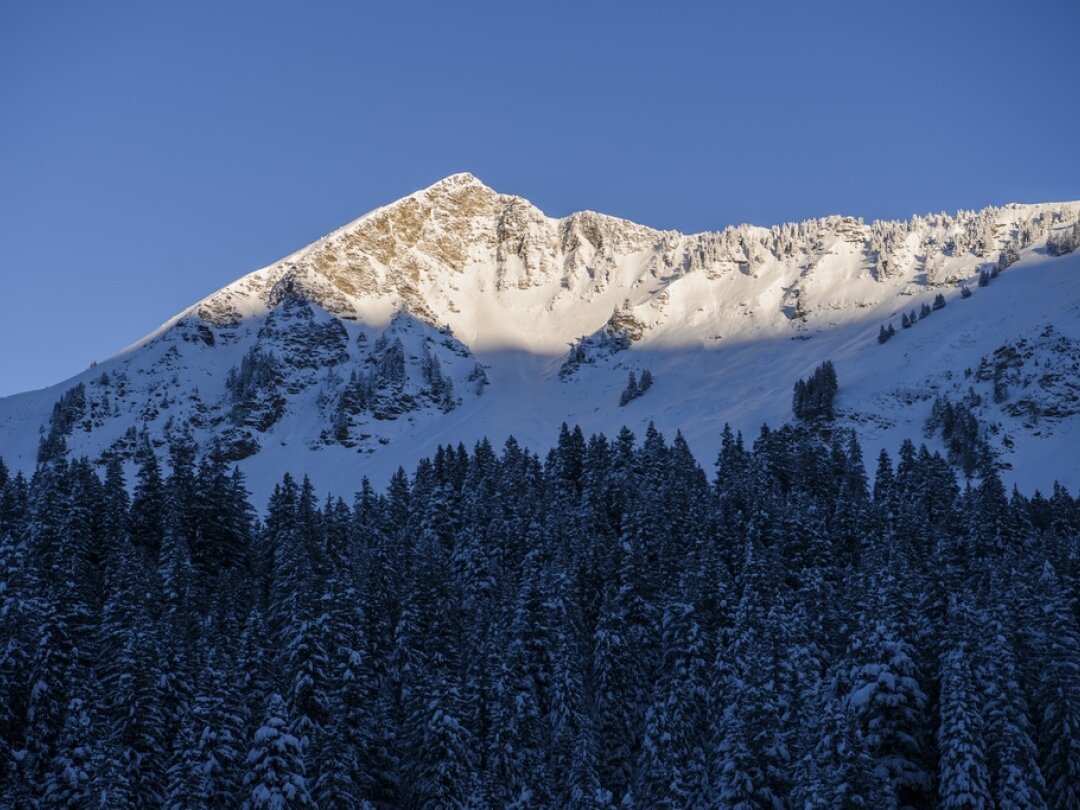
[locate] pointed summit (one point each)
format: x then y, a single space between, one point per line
458 179
457 195
461 187
461 183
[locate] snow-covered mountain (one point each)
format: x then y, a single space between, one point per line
459 312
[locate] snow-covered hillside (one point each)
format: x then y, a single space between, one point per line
458 312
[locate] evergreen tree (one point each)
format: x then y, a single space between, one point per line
217 722
1058 694
186 783
275 764
673 767
50 669
890 705
68 785
147 520
963 780
631 391
839 771
444 779
1016 779
813 397
308 666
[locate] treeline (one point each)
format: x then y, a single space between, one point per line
604 627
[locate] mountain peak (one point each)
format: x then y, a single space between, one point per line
462 187
457 180
459 298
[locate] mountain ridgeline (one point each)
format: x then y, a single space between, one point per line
458 313
605 627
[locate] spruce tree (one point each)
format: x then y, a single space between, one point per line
274 776
890 705
963 778
68 785
673 758
1058 694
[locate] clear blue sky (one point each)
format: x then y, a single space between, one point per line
152 152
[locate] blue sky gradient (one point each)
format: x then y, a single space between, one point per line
151 153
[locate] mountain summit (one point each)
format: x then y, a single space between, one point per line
444 254
458 312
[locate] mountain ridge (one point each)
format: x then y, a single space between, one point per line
461 306
318 257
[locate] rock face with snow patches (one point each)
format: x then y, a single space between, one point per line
459 312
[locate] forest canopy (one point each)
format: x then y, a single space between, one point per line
607 626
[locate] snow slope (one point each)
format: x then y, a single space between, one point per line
458 312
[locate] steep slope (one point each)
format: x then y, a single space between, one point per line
459 312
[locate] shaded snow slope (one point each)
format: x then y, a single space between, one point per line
458 312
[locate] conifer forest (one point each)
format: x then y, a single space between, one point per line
609 626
